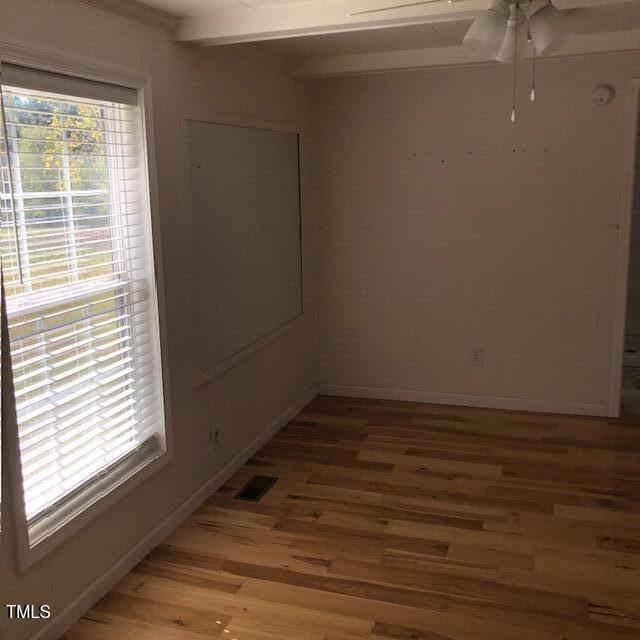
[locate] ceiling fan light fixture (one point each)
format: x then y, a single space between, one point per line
533 6
548 29
514 45
488 31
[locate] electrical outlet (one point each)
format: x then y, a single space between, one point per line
476 357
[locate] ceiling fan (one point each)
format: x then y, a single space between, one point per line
494 32
506 30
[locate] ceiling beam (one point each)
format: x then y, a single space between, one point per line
330 66
239 22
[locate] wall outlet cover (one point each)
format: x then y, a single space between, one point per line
477 357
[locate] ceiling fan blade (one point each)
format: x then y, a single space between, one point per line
397 6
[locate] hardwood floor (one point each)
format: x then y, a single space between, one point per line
400 520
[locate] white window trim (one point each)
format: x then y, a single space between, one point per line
201 378
103 493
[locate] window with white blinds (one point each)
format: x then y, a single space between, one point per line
80 288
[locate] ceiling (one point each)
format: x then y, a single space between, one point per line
186 7
442 34
326 37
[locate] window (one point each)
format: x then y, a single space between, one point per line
80 287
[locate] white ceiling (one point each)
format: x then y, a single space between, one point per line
190 7
332 36
438 34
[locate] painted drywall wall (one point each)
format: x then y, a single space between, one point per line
442 228
245 399
244 185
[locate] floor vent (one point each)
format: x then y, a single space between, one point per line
256 488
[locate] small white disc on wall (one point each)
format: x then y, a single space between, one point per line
602 95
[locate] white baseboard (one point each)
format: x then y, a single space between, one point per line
466 400
110 579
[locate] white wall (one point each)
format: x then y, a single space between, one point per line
442 227
247 398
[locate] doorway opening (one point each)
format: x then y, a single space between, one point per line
630 387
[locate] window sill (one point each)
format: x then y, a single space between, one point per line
51 531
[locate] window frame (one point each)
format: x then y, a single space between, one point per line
107 490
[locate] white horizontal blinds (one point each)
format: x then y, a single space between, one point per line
37 80
78 277
4 186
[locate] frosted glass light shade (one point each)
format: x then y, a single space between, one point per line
534 6
548 29
507 52
488 31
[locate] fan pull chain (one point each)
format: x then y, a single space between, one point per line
533 83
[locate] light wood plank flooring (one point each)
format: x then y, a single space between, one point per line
401 520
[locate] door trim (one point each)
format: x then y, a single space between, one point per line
630 151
